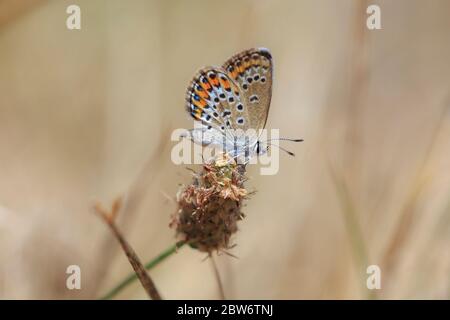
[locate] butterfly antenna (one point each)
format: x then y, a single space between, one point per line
281 148
286 139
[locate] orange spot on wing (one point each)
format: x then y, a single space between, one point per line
256 62
233 74
206 86
202 93
199 104
239 67
224 83
214 81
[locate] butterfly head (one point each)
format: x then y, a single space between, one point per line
261 148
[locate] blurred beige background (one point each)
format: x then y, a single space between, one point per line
86 116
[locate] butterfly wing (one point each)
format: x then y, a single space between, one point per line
210 99
236 96
252 71
206 136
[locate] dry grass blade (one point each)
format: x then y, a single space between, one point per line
352 226
144 278
357 94
409 210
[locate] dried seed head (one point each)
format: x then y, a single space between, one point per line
210 207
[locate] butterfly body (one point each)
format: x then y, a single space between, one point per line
231 103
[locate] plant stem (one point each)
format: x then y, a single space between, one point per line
217 275
149 265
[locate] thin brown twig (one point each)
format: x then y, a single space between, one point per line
131 202
217 275
144 278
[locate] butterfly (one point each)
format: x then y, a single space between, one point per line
231 104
